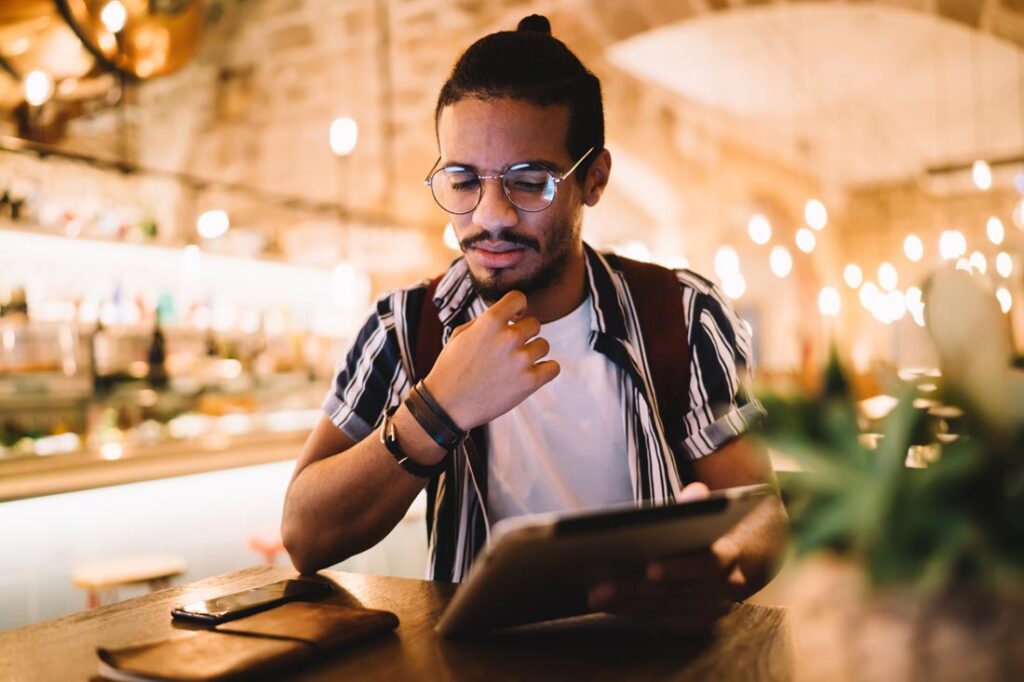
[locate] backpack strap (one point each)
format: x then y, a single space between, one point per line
657 300
428 333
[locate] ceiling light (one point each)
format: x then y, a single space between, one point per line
450 238
888 278
1005 299
853 276
213 224
113 16
727 262
829 302
978 262
952 244
1004 264
734 285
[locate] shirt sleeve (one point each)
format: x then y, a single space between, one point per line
722 406
370 379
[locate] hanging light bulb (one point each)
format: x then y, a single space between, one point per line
734 285
780 261
853 276
727 262
344 135
995 230
815 214
113 15
450 238
759 229
1004 264
952 244
888 278
978 262
805 240
982 174
829 302
1005 299
913 247
38 88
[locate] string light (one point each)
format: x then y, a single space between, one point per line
853 276
734 285
995 230
829 302
978 262
780 261
1005 299
38 88
344 135
759 229
913 247
815 214
952 244
982 175
113 15
451 240
213 224
805 240
727 262
1004 264
888 278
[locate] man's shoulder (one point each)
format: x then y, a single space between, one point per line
688 279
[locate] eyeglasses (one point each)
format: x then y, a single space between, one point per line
527 186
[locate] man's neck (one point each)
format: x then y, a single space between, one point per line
563 295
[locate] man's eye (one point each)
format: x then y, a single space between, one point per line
462 181
528 182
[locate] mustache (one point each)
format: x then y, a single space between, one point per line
504 235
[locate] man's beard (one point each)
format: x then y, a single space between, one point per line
554 260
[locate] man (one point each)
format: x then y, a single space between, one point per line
542 362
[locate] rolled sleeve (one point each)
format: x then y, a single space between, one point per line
721 404
370 378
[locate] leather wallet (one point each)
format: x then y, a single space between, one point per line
257 646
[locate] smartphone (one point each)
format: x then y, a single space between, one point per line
247 602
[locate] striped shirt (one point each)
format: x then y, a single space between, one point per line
377 372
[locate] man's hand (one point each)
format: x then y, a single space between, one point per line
686 593
491 364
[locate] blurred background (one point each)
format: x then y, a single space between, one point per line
200 200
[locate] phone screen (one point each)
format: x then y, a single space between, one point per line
250 601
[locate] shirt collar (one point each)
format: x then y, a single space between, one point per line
455 293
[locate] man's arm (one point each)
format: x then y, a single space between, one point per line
337 506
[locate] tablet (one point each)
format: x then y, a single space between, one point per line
541 567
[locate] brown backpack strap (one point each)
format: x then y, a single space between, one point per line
658 302
428 333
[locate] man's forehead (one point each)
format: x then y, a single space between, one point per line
502 130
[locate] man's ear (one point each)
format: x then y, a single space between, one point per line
597 177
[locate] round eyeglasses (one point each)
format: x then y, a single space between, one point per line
527 186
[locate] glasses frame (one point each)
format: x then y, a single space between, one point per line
500 177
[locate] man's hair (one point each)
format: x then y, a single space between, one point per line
529 64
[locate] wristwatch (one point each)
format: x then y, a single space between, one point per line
389 438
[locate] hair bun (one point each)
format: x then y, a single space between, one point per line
535 23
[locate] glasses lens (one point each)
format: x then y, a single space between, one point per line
531 189
455 189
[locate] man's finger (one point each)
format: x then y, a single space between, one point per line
692 565
509 307
461 328
537 349
527 327
692 492
545 371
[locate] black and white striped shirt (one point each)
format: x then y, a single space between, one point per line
375 376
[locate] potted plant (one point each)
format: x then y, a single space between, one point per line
906 572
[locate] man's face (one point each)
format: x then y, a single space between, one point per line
507 248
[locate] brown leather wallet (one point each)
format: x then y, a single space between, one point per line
257 646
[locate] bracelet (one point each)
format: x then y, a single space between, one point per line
421 389
390 440
429 422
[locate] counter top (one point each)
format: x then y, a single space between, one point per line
37 476
749 643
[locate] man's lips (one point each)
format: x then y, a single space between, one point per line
497 254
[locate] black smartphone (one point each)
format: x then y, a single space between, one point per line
246 602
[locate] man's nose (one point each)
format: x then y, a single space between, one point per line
495 211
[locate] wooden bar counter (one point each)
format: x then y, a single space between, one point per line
750 643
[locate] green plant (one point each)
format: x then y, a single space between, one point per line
958 522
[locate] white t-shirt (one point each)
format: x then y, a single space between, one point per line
564 447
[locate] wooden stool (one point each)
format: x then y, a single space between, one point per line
268 543
102 578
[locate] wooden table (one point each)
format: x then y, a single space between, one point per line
750 643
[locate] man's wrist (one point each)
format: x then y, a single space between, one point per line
416 443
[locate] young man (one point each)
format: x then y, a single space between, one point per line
542 361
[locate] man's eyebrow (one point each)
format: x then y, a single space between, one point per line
546 163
